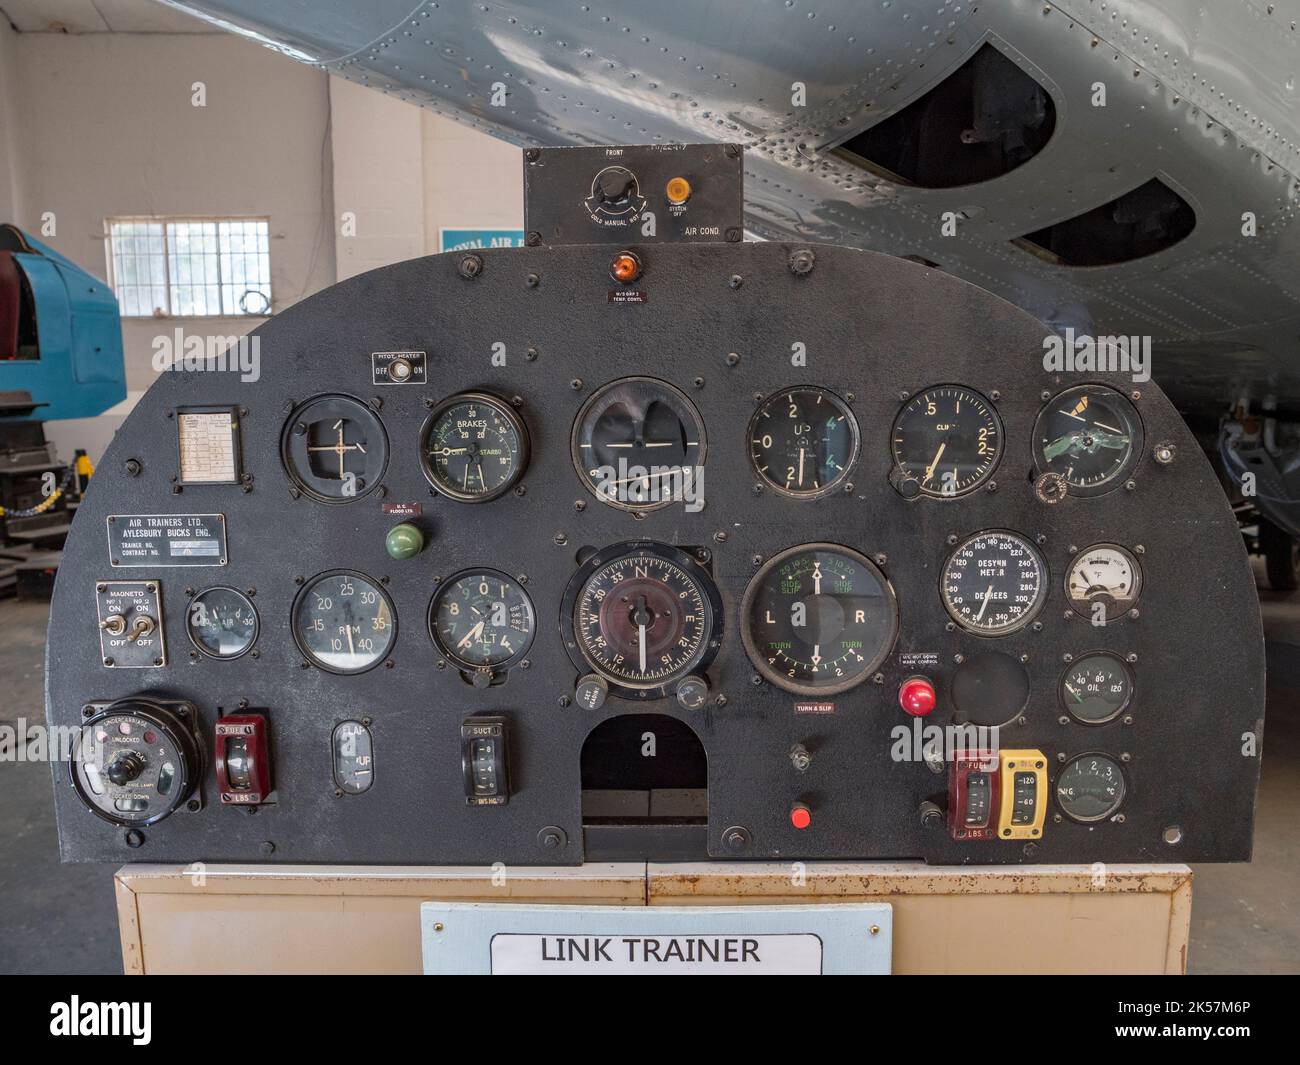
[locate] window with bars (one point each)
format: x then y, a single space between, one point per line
190 267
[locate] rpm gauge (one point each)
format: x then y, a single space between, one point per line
1090 788
473 447
637 444
344 622
643 616
1103 582
1091 435
994 583
803 441
482 620
818 619
1097 688
947 439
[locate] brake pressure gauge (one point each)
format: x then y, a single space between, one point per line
473 447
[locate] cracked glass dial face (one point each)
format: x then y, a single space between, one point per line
643 616
482 619
473 447
1091 435
818 619
803 441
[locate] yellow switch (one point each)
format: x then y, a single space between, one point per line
679 191
1023 805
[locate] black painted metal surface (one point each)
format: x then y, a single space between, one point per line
873 327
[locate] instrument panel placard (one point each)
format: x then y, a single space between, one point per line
167 540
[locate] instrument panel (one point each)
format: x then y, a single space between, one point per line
799 554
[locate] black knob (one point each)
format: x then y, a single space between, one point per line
125 767
591 692
614 186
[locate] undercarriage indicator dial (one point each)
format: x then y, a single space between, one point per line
481 619
473 447
1103 582
994 583
344 622
818 619
803 441
947 440
643 616
1091 435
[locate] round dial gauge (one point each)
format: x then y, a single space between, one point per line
637 444
1104 576
948 440
135 762
473 447
994 583
481 619
334 448
803 441
222 622
1097 688
344 622
1091 435
1090 788
643 616
818 619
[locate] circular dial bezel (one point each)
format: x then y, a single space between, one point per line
580 435
1110 481
759 660
1028 614
1083 607
575 595
506 412
187 752
764 411
903 465
293 446
301 597
197 597
1113 809
1078 663
448 586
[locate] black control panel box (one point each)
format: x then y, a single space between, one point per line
649 194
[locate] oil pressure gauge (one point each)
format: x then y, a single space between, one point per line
1097 688
1103 582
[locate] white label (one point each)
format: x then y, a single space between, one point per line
516 954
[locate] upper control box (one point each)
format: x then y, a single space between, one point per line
650 194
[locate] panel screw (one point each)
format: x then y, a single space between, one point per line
559 539
470 267
552 838
532 154
1165 453
576 384
579 505
133 467
736 281
533 239
531 354
733 235
267 848
720 537
134 838
733 358
801 262
532 280
736 838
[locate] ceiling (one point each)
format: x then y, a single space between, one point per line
99 16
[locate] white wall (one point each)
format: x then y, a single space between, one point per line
95 125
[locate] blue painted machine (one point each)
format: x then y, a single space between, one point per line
60 333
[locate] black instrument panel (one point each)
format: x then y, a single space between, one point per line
702 573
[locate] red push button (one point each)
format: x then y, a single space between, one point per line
800 816
916 696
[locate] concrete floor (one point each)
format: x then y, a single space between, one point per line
62 919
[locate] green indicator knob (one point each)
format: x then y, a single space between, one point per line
404 541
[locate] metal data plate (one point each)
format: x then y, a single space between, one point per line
563 201
503 939
167 540
130 624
